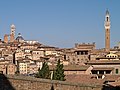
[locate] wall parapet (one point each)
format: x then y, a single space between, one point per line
31 83
33 79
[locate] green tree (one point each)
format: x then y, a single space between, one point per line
44 72
58 73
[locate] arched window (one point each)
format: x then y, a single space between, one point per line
107 19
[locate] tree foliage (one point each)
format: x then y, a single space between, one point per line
58 73
44 72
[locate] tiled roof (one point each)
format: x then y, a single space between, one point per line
90 79
102 68
114 84
104 62
73 67
85 79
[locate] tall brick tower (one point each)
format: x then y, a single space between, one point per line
6 38
12 34
107 31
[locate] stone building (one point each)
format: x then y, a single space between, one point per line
23 67
3 68
79 54
19 54
37 54
83 51
75 69
11 69
105 67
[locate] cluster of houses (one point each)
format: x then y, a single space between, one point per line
83 58
25 57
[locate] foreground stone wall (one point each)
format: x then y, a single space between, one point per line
30 83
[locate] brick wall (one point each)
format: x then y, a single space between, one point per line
30 83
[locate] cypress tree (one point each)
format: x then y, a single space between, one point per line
44 72
58 74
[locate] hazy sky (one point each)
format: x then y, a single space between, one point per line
61 23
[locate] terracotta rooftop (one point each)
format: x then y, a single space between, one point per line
104 62
114 84
73 67
91 79
102 68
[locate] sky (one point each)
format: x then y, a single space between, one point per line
61 23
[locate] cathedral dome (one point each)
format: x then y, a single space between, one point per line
19 37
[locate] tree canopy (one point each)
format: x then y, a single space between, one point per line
44 72
58 73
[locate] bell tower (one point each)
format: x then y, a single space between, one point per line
12 34
107 31
12 27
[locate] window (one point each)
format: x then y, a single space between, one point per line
86 52
108 72
94 72
107 18
64 57
100 76
78 53
116 71
101 72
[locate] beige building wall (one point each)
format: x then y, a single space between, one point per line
48 52
23 68
116 67
88 71
11 69
28 46
36 54
33 68
19 55
3 68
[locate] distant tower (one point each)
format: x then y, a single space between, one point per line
12 29
6 38
12 34
107 31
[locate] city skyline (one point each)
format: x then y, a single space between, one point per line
61 23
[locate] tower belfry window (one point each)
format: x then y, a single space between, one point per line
107 18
